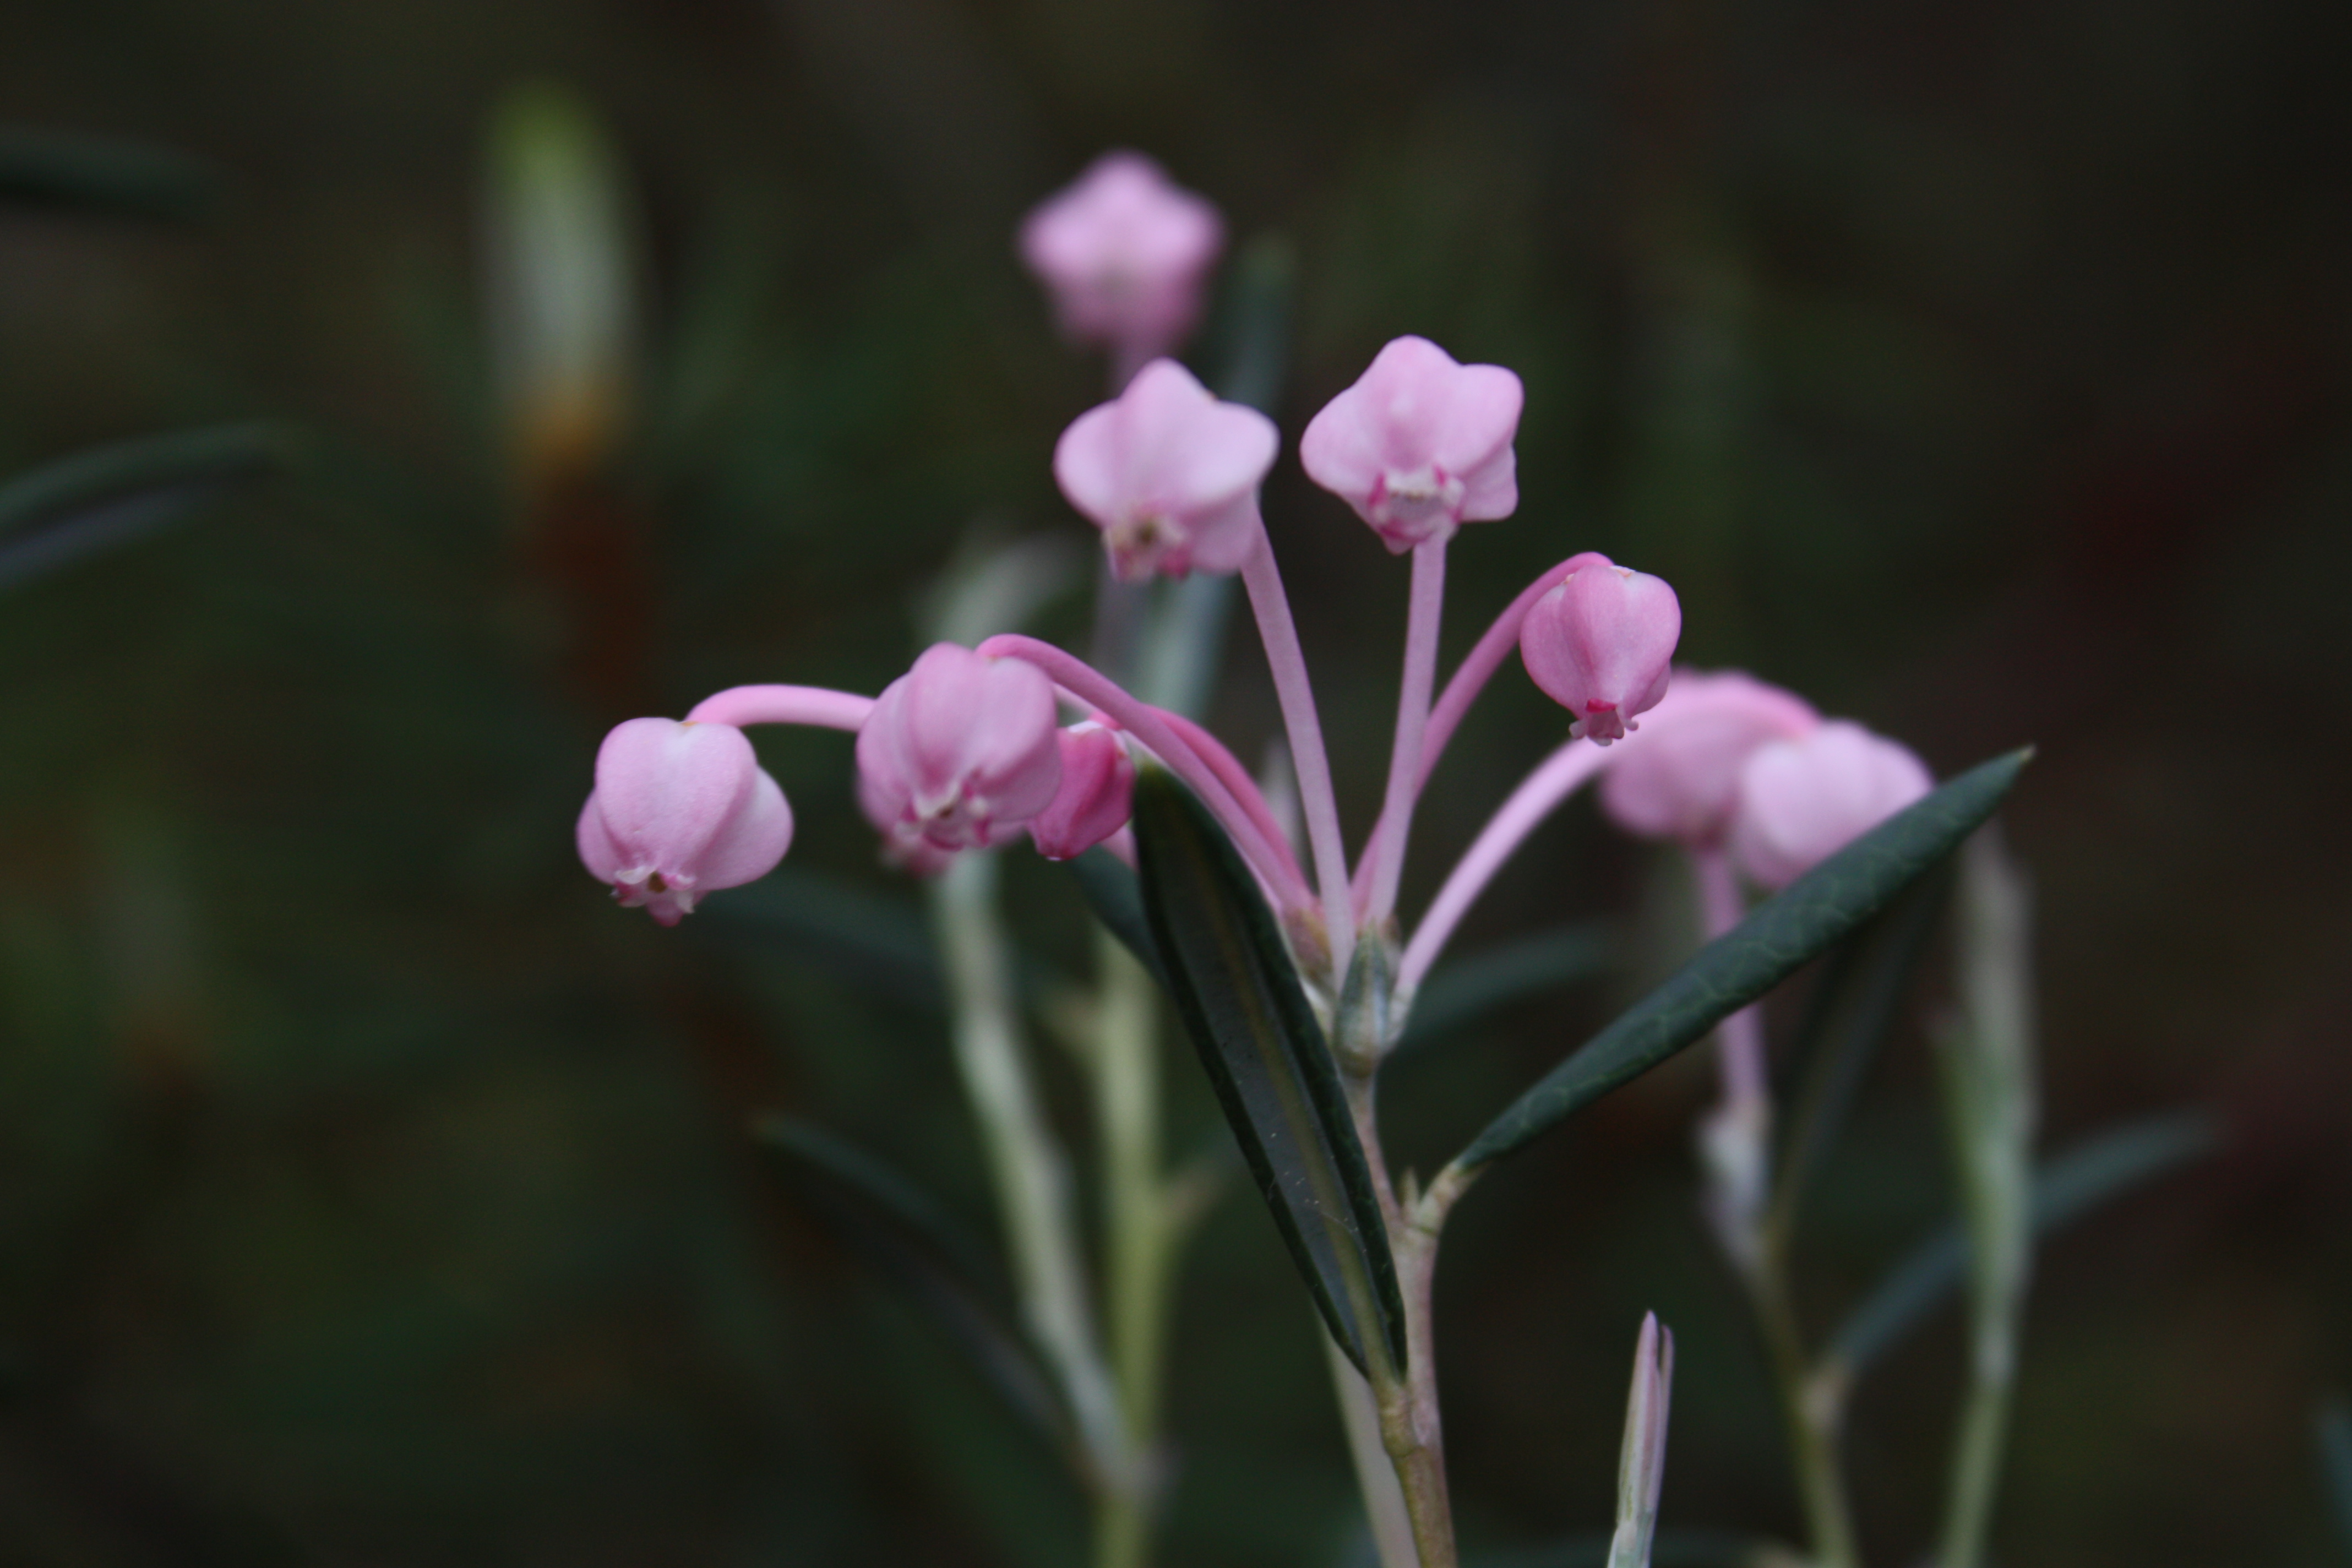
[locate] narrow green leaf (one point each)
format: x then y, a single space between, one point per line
65 171
2066 1188
1783 933
894 1224
1470 989
1115 895
1848 1019
1232 983
2335 1463
107 496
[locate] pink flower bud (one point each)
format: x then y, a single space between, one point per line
679 811
1419 444
958 752
1681 782
1801 801
1096 796
1168 474
1599 644
1124 253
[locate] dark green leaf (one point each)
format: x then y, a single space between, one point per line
2335 1463
1115 897
1232 983
1847 1021
894 1226
880 943
69 173
2065 1189
1783 933
1466 991
109 495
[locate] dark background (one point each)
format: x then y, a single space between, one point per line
372 1192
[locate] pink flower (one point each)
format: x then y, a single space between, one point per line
679 811
1803 800
958 752
1681 782
1096 795
1168 474
1419 444
1599 644
1124 253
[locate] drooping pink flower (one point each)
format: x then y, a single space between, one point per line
959 752
1097 794
1168 474
1420 444
1600 642
1124 252
1681 780
679 811
1803 800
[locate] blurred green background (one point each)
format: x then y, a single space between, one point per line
373 1191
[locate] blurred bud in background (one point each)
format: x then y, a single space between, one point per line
561 290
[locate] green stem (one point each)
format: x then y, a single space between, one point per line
1030 1171
1975 1458
1813 1404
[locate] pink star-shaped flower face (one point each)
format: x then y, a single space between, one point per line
958 752
1168 474
679 811
1420 445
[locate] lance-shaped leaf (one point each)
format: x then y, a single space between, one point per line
890 1222
1234 984
1469 989
2065 1188
65 171
109 495
1115 895
2335 1424
1795 925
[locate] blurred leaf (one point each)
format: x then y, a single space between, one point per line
64 172
112 494
2335 1463
2065 1189
1115 895
1846 1022
1469 989
1777 939
895 1228
1668 1549
1251 332
1232 982
869 939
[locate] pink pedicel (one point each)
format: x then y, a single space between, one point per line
679 811
1125 253
1600 642
959 752
1168 474
1420 444
1801 801
1097 794
1682 781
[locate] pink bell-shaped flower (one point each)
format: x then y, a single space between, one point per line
1600 645
1168 474
1682 781
1124 252
1420 444
1096 795
959 752
1803 800
679 811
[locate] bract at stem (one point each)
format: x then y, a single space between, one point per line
817 706
1270 858
1316 803
1559 776
1385 854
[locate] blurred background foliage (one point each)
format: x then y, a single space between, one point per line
372 1191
